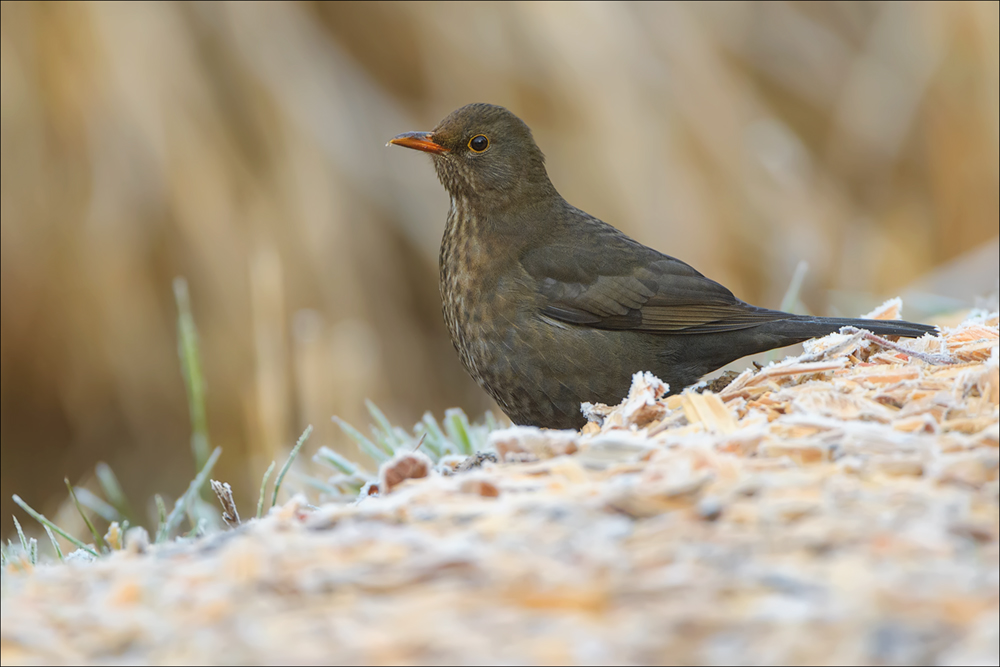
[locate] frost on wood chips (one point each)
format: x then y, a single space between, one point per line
838 507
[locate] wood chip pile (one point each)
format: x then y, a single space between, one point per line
836 508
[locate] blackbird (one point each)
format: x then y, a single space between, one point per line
549 307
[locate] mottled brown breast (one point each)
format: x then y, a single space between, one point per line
478 312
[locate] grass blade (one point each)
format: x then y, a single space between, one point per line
288 464
263 485
491 422
364 444
420 432
183 504
194 380
348 485
30 546
93 531
197 529
402 437
161 516
319 485
456 425
55 543
335 460
113 490
435 441
20 534
96 504
389 442
40 518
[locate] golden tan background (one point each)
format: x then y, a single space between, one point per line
242 146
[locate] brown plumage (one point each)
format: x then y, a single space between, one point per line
549 307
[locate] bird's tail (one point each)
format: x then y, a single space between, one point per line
810 327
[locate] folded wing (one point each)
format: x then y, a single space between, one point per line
621 288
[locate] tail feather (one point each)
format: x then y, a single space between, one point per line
820 326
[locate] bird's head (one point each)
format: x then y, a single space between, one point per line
484 153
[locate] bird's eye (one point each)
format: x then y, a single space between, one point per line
479 143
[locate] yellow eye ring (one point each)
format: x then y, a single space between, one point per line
479 143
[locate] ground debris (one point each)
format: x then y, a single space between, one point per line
839 507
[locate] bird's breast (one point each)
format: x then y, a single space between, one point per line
480 292
466 272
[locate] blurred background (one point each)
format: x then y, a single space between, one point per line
242 147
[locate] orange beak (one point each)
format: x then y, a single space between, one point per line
420 141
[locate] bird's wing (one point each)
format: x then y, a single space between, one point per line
625 285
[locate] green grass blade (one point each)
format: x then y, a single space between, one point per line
263 486
420 433
456 425
183 504
40 518
194 380
55 542
96 504
348 485
197 528
124 529
402 437
189 515
364 444
288 464
161 518
113 490
491 422
318 485
30 546
335 460
93 531
389 442
435 441
20 534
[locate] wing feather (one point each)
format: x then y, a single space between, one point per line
630 286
